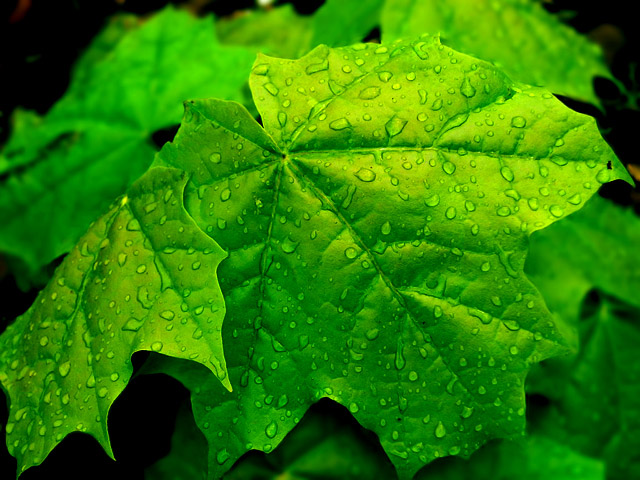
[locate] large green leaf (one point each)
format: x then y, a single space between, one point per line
282 32
59 172
142 278
377 229
595 395
519 36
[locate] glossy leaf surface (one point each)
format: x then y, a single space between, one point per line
376 229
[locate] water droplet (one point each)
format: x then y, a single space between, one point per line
450 213
372 334
64 369
225 195
440 431
386 228
365 175
413 376
156 346
353 407
575 199
222 456
506 173
133 325
518 122
271 430
467 89
503 211
395 126
271 88
339 124
369 93
167 315
385 76
351 253
215 157
433 200
448 167
604 175
556 211
288 245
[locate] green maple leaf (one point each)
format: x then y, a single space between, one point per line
60 171
377 229
519 36
128 285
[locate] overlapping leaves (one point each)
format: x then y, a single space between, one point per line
60 171
595 406
376 230
519 36
130 284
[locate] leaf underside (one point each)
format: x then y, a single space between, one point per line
377 229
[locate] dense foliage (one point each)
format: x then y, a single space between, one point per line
363 251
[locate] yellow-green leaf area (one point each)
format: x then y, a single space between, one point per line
142 278
376 243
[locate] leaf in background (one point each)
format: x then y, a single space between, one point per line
278 31
377 229
595 395
142 278
187 459
596 248
282 32
519 36
533 458
59 172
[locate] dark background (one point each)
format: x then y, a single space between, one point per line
41 39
